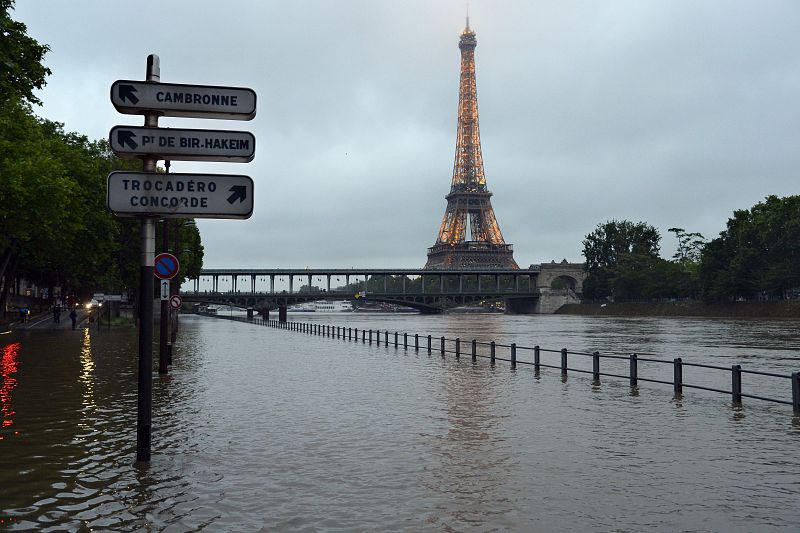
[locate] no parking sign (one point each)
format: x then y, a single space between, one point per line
165 266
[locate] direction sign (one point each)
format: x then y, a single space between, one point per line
165 266
164 290
175 301
179 100
134 142
132 194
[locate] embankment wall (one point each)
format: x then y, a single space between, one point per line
781 309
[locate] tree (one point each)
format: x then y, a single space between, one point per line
758 254
21 59
690 246
619 256
688 254
54 225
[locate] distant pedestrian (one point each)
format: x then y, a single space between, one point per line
73 315
23 314
56 314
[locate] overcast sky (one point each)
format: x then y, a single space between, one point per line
673 113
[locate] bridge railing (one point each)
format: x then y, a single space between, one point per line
722 379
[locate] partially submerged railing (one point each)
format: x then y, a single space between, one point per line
489 350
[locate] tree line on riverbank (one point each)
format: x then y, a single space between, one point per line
55 230
757 256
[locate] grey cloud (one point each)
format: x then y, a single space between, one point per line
668 112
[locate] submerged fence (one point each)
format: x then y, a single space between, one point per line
509 353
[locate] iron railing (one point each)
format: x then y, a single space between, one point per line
495 351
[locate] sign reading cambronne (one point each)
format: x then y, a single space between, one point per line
180 195
133 142
180 100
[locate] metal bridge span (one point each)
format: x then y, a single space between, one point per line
539 289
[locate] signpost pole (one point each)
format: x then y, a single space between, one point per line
145 384
163 338
174 289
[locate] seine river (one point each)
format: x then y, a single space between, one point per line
261 428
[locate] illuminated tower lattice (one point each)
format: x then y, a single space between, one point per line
468 204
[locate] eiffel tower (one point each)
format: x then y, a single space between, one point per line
468 201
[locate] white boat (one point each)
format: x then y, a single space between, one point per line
302 308
333 306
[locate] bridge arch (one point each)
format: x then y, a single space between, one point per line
564 281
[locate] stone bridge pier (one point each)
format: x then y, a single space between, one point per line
558 284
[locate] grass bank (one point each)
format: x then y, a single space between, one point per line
781 309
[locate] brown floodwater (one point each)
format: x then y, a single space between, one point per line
260 428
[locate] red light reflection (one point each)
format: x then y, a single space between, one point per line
8 367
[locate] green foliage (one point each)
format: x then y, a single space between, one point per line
54 225
622 262
690 247
758 254
21 68
609 242
620 259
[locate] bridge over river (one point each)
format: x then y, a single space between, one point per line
538 289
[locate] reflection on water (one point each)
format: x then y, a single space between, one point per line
87 373
264 428
8 367
472 458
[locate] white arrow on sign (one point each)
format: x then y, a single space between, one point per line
175 301
134 142
179 100
132 194
165 289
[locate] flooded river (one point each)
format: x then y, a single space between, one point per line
260 428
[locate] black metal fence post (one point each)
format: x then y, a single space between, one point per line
634 371
378 337
736 384
386 337
416 342
442 346
536 361
564 362
458 347
395 339
370 336
596 367
492 349
796 392
405 341
513 355
474 350
677 376
429 344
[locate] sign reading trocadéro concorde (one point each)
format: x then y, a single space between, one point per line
134 142
180 100
132 194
